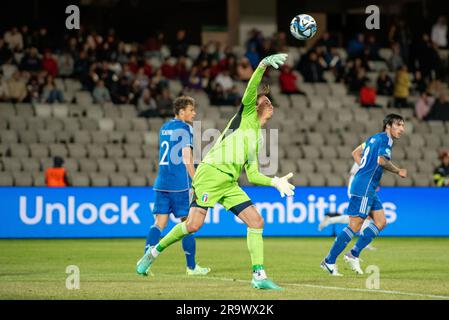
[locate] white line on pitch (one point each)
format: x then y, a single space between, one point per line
412 294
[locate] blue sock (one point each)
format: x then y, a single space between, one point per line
367 235
341 241
153 237
189 247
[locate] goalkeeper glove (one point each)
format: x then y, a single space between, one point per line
274 60
283 186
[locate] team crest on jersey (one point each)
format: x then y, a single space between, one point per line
388 151
205 197
372 140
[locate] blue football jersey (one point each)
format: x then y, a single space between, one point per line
367 179
174 135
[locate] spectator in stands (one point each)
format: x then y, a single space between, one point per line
253 56
43 40
287 81
65 65
219 97
439 32
158 82
441 173
280 41
146 105
56 176
5 52
31 61
384 84
401 87
244 69
8 68
440 109
49 64
396 60
356 46
224 80
165 103
194 80
142 78
168 68
50 93
26 36
153 45
419 84
81 66
399 32
34 90
17 88
101 93
427 57
372 48
327 41
312 67
4 89
14 39
368 95
357 82
180 45
423 105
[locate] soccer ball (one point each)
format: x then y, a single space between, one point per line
303 27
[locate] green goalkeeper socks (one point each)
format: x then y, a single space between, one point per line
177 233
254 241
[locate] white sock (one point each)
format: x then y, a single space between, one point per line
340 219
259 275
365 224
154 252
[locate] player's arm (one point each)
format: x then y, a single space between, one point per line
250 95
187 159
358 153
258 178
390 166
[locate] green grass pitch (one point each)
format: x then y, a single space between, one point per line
410 268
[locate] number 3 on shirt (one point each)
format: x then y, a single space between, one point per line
164 161
365 155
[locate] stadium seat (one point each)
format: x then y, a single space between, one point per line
288 166
128 111
118 179
106 165
30 164
46 136
60 110
114 151
77 150
123 125
404 182
388 180
316 179
71 124
38 150
125 165
111 111
19 150
94 112
116 137
80 180
7 110
305 165
6 179
143 165
12 164
95 151
43 110
139 124
106 124
323 166
35 123
134 138
22 179
38 179
311 152
89 124
9 136
17 124
100 137
334 180
132 151
137 180
82 137
422 180
57 150
151 138
88 165
71 165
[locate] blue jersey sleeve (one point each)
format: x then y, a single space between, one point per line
385 147
186 136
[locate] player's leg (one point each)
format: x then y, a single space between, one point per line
370 232
335 219
161 211
254 239
357 212
367 235
366 223
181 203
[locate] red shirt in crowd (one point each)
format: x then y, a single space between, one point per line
367 96
287 81
50 65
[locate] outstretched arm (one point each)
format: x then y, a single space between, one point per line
250 95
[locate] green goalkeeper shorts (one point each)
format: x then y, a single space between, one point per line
211 185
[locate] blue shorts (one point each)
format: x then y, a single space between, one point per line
177 203
361 206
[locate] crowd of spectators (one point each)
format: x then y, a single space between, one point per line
125 73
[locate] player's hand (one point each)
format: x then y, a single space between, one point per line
274 60
283 186
402 173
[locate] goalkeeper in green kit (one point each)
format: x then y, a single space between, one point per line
216 178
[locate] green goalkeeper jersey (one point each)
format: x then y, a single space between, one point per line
238 145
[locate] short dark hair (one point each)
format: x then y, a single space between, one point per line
182 102
390 119
58 161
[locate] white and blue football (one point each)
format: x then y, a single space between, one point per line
303 27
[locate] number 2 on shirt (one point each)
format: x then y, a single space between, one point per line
164 161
